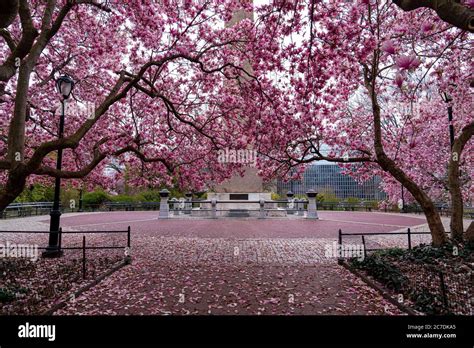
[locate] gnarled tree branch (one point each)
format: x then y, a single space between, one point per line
450 11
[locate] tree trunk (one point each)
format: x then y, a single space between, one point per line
433 218
8 12
470 233
450 11
457 204
16 131
13 188
435 224
17 173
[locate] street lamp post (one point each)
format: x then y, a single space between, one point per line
80 201
448 99
64 85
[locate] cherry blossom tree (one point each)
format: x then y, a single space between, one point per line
361 78
149 92
364 80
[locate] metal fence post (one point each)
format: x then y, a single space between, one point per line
409 238
365 250
214 208
60 238
339 259
128 237
83 257
443 290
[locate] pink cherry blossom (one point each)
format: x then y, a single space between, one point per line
399 80
389 47
171 85
427 26
408 62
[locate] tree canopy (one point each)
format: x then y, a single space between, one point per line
161 87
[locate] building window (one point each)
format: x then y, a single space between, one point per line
328 178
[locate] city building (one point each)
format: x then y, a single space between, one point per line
327 178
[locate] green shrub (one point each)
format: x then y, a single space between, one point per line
428 254
6 295
69 194
372 204
467 252
426 295
124 198
353 200
383 271
395 252
275 196
149 196
327 197
36 193
96 197
175 192
203 196
427 302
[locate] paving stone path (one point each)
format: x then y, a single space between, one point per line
229 266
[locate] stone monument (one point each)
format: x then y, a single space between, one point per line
248 187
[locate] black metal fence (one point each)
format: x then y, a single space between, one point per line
436 288
84 245
26 209
61 232
16 210
127 206
443 209
408 233
347 206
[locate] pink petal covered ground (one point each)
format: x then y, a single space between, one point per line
232 266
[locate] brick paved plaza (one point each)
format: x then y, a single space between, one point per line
227 266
